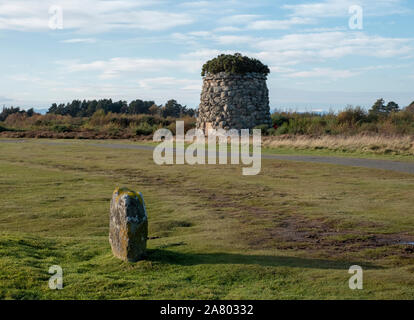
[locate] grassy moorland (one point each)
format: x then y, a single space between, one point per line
384 130
290 232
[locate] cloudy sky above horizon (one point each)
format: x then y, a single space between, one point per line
154 50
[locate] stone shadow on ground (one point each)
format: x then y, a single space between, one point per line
190 259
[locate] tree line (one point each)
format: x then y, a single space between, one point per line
78 108
172 108
12 110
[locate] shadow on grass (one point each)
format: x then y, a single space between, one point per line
189 259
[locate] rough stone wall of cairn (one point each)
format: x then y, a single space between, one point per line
233 101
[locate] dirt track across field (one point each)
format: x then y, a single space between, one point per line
405 167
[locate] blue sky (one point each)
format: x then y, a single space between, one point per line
154 50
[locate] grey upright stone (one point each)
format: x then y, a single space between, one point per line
128 226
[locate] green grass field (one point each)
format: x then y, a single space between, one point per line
291 232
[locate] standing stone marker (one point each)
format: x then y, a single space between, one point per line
128 226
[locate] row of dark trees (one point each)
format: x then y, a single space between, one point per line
8 111
171 109
85 108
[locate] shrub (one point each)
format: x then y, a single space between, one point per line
99 118
172 128
271 132
299 125
147 119
144 129
410 108
189 123
122 122
278 119
61 128
263 128
352 116
16 119
283 129
235 64
9 111
317 125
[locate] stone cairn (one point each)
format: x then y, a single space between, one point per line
128 226
233 101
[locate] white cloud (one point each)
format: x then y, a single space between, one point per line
281 69
340 8
227 29
330 73
279 54
234 39
182 37
193 38
298 98
212 9
89 16
79 40
311 47
202 54
326 29
195 4
5 99
223 26
170 82
278 24
201 34
190 62
114 67
238 19
35 80
326 73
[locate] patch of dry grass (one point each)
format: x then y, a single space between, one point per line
378 144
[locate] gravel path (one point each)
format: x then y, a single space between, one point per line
405 167
398 166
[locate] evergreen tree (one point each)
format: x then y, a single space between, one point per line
392 107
